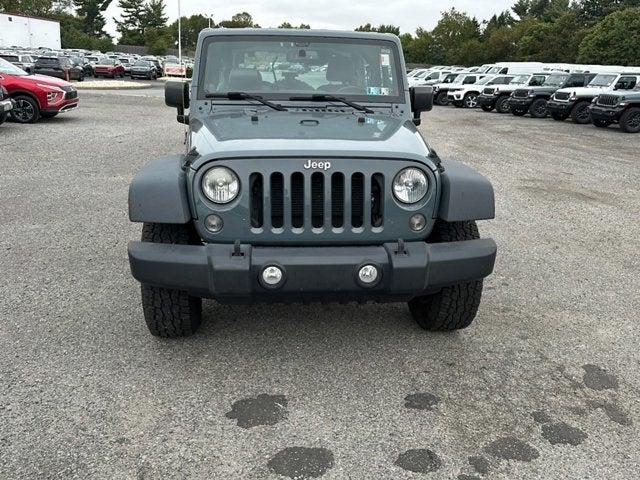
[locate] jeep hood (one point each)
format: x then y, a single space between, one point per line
584 91
295 134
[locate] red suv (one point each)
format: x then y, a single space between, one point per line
36 96
108 67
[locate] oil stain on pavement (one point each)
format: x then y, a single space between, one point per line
419 460
561 433
301 462
421 401
597 378
262 410
512 448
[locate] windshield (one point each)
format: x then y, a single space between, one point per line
484 81
520 80
106 61
141 63
276 67
450 78
555 80
602 80
10 58
10 69
495 70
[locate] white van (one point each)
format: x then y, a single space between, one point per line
504 68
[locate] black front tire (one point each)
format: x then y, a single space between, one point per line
630 120
3 117
580 113
170 313
538 108
454 307
518 112
441 99
558 117
487 108
502 104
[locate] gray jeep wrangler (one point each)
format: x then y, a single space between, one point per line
305 179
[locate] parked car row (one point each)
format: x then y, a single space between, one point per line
601 95
26 98
77 64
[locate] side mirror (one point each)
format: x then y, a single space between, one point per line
619 86
421 101
176 94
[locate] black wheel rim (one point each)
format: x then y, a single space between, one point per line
24 111
634 121
582 113
541 109
503 106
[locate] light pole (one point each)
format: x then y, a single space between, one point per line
179 36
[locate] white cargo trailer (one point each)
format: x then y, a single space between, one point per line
28 32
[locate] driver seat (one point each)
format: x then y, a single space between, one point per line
339 69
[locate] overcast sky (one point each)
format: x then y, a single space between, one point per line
332 14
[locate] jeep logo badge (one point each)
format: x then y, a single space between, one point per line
317 165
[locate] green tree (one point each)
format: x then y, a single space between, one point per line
131 27
27 7
191 28
302 26
239 20
455 30
157 40
593 11
91 12
381 29
154 16
614 40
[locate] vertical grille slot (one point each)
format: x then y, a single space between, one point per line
297 200
277 200
357 200
377 199
256 206
337 200
317 200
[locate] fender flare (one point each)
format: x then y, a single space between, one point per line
158 193
466 194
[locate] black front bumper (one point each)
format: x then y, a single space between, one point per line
560 108
231 274
487 100
520 103
609 114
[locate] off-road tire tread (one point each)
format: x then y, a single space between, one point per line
625 116
453 307
170 313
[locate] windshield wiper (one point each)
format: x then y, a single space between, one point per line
246 96
331 98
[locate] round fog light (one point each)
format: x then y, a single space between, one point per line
368 274
213 223
417 222
272 275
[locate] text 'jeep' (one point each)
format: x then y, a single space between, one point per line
306 179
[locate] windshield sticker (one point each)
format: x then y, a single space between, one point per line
385 59
378 91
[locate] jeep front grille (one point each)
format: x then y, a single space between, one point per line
562 96
608 100
316 200
489 91
521 93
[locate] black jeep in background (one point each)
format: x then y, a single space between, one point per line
534 100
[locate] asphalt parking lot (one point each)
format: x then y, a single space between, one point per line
545 384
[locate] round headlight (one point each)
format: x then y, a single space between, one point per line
410 185
220 185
